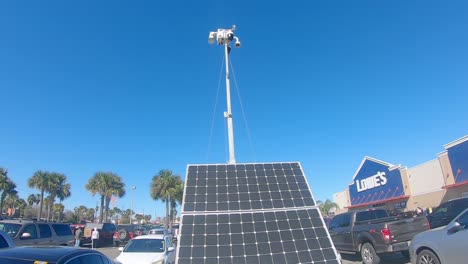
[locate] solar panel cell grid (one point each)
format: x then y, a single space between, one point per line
257 237
211 188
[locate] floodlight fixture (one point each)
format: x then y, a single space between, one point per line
211 37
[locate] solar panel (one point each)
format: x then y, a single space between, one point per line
251 213
211 188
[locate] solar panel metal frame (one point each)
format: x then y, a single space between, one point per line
269 238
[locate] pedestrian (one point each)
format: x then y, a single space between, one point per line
94 238
419 211
78 236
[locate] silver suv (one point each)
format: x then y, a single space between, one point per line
31 233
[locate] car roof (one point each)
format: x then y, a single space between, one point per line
17 221
459 198
45 253
152 236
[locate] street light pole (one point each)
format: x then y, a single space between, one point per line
131 209
224 37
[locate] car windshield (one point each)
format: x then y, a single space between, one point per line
157 231
10 229
129 228
145 245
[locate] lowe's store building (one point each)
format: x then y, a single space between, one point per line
377 183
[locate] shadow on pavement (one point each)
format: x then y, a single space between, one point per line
391 258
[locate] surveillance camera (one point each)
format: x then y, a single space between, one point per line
237 43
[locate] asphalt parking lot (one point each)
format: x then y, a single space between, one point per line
395 258
113 252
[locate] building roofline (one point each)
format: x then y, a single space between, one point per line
456 142
376 161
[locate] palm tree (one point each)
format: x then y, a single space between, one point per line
58 208
7 186
20 204
327 206
162 187
60 189
32 199
81 212
10 202
54 181
100 183
115 188
117 212
63 192
39 181
176 194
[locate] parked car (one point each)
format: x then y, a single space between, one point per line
372 232
155 249
126 232
5 240
159 231
31 233
327 220
443 245
52 255
447 211
106 233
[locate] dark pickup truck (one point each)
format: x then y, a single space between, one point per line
373 231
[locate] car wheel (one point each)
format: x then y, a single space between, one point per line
368 254
427 257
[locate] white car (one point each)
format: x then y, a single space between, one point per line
148 249
5 240
443 245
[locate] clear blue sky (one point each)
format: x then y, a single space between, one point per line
130 87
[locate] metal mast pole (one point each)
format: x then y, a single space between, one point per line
224 37
228 114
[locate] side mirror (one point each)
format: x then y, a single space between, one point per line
25 236
453 227
121 249
170 249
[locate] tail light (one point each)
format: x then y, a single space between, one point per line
116 235
386 234
131 235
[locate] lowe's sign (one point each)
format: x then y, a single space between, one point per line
375 181
371 182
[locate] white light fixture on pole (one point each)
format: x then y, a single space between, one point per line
131 209
224 37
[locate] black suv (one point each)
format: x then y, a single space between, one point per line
447 211
126 232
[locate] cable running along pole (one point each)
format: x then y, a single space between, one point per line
224 37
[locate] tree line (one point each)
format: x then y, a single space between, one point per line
164 186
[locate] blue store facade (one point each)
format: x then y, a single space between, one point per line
378 183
